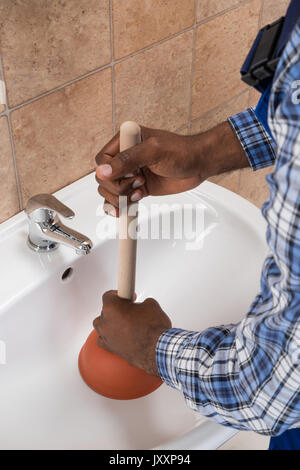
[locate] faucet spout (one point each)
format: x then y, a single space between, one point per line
47 232
59 233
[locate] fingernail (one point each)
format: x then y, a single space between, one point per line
137 184
109 210
136 197
112 212
105 170
129 175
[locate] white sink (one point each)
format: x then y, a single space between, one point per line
44 404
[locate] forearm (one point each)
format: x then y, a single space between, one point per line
237 143
219 150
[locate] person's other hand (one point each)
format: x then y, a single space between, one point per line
131 330
164 163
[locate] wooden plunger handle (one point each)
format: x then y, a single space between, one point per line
130 135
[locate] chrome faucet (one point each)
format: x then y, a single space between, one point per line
46 231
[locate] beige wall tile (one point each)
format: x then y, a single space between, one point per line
253 185
139 23
254 97
230 180
207 8
9 203
58 136
184 131
153 88
273 9
221 47
220 114
47 43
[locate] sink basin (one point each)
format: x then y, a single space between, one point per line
48 303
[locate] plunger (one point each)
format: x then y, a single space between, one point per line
104 372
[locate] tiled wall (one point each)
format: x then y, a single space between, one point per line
74 70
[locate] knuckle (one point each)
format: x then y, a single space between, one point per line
101 191
124 187
108 297
111 199
151 301
124 157
154 141
96 323
118 189
99 158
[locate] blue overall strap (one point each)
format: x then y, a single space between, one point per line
292 16
291 19
289 440
261 110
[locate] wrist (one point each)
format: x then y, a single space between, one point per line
148 361
217 151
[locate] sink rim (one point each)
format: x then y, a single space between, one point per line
16 227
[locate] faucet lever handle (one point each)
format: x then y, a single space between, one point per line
47 201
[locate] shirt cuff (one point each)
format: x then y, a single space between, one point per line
168 347
257 144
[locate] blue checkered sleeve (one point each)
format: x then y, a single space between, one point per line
256 142
247 375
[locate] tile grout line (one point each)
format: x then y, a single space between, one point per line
60 87
11 138
122 59
100 69
262 5
192 67
219 105
181 129
261 14
112 49
223 12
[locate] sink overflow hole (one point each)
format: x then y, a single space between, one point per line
67 274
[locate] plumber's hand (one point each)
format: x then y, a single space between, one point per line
131 330
168 164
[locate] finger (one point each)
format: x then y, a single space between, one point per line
102 344
135 196
112 199
109 209
111 148
124 186
97 323
110 296
144 154
103 158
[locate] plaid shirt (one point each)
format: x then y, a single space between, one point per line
247 375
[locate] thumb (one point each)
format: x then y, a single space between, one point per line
129 161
